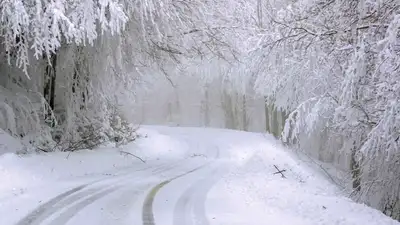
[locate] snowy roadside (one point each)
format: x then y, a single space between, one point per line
18 173
30 180
243 186
256 193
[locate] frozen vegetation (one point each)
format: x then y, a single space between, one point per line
321 76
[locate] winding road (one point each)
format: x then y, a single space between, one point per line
154 194
191 176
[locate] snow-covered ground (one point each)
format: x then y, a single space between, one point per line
190 176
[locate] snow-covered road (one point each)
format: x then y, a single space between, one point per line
191 176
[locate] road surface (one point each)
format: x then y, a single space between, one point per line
149 194
192 176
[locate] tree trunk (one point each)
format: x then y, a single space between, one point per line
267 119
206 108
275 121
49 88
228 108
244 114
355 169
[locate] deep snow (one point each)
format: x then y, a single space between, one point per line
191 176
8 144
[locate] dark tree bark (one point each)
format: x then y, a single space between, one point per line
49 87
355 169
267 119
78 87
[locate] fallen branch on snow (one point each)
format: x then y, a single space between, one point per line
128 153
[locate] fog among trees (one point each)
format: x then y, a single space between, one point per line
322 76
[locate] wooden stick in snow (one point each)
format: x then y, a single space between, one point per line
279 171
128 153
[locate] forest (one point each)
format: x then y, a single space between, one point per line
322 76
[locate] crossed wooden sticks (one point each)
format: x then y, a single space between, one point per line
280 171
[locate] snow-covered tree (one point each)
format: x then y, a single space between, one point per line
70 66
334 66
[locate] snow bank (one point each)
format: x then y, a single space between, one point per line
155 145
253 194
235 146
21 172
8 143
250 194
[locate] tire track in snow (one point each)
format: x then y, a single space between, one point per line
193 199
68 201
147 212
64 199
31 217
65 216
71 212
191 205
